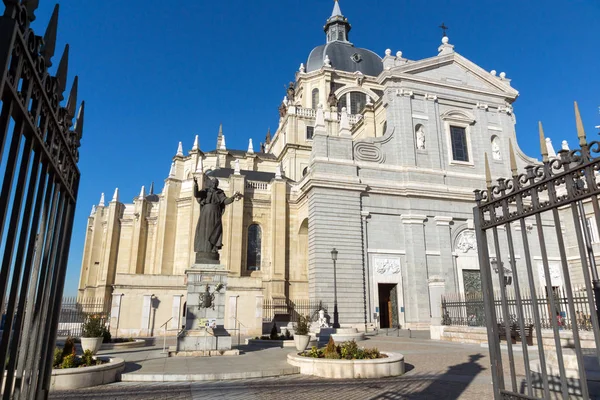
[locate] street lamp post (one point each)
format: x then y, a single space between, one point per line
336 320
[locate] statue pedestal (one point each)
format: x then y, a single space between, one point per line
205 311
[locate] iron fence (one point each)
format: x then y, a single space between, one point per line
290 310
468 309
39 152
73 313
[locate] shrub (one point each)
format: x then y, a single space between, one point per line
331 350
106 335
93 327
87 358
265 338
349 351
274 335
58 357
68 348
288 335
302 325
314 352
69 361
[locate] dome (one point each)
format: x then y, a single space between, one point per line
343 56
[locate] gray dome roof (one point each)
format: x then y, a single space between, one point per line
342 58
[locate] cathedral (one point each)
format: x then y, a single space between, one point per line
375 156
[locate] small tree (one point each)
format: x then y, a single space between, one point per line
93 327
274 335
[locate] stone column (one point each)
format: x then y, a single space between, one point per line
233 227
278 237
436 290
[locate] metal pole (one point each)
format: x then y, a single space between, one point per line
336 321
590 251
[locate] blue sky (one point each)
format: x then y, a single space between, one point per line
157 72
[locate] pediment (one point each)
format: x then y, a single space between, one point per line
454 69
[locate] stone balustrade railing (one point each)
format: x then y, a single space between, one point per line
254 185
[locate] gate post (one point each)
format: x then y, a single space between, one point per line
437 286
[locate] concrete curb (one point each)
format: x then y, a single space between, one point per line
133 377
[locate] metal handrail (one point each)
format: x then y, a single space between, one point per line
165 336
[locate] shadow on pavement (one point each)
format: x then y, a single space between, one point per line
445 386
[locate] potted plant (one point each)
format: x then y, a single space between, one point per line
92 334
301 336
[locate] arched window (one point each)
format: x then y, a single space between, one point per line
253 255
357 101
315 99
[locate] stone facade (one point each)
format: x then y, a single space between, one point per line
382 168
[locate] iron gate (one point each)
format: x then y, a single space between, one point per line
38 165
553 198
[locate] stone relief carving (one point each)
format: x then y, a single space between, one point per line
420 137
387 266
466 241
370 149
496 149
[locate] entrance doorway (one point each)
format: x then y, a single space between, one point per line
388 305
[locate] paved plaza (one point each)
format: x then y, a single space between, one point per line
434 370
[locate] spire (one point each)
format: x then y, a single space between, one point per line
565 145
152 188
580 130
337 26
220 136
115 196
337 12
513 161
543 142
172 171
223 147
50 38
179 150
143 192
551 152
344 123
101 204
250 147
196 145
268 137
93 210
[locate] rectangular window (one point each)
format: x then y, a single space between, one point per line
310 130
458 137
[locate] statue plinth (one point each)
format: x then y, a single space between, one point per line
207 258
205 310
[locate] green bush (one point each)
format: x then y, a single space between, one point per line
350 351
345 351
302 326
58 357
288 335
87 358
274 335
69 361
93 327
314 352
265 338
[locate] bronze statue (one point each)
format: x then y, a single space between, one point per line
209 231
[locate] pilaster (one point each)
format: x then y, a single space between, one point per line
416 267
110 249
369 121
140 235
444 240
279 217
167 228
233 234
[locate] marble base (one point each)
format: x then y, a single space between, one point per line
204 340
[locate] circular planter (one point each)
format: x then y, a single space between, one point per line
392 365
123 345
92 344
75 378
301 342
278 343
